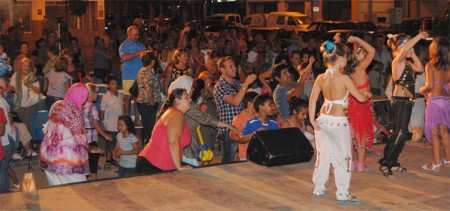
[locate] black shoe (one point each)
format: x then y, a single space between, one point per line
114 163
107 166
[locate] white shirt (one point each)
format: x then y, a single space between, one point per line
374 77
252 56
29 97
5 106
384 58
113 107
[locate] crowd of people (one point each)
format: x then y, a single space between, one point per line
192 90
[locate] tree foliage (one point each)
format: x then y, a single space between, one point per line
77 7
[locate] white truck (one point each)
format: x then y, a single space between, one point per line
288 21
227 19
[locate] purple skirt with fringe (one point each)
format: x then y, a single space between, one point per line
436 112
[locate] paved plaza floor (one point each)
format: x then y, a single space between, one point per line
247 186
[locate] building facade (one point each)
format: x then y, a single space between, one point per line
30 14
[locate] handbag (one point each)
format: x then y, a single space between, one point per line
134 89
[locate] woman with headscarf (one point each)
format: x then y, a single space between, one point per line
26 91
64 148
194 117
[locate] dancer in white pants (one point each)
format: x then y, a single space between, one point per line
333 144
331 128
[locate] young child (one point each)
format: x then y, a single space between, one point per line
93 128
359 114
127 146
111 108
239 122
299 111
332 131
3 55
264 107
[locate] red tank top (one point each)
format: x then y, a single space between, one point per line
157 150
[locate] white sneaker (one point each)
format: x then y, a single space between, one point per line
32 153
16 156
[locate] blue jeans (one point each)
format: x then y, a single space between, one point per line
4 164
229 148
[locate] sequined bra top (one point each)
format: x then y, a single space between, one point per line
407 79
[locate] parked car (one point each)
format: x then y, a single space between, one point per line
227 19
255 20
368 26
290 21
318 29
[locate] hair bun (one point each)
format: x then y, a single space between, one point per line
329 45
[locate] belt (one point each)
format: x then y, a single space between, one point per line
417 95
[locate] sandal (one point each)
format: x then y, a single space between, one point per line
349 200
386 171
319 194
445 162
399 169
16 188
360 167
436 167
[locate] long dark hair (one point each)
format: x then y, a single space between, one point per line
197 87
128 122
297 104
439 54
170 100
352 62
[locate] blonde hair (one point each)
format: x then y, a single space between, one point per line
178 53
22 61
331 55
91 88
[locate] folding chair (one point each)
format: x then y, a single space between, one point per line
39 119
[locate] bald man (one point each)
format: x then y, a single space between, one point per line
129 51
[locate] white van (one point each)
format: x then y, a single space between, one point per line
255 20
227 19
290 21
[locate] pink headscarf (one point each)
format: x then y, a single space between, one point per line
77 94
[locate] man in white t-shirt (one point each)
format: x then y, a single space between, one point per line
382 55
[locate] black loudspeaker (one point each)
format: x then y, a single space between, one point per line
279 147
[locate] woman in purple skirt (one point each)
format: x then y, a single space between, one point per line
437 113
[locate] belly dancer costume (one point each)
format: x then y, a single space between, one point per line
401 112
361 120
333 147
437 112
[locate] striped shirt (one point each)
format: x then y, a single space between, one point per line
90 114
126 144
